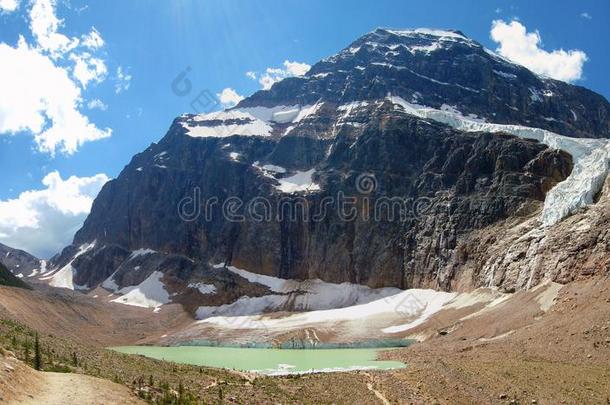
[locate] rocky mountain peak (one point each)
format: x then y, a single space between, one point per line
436 68
415 40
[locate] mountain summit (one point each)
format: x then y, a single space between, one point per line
436 68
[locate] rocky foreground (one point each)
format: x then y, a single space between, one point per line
550 345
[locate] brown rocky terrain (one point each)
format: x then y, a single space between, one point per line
549 345
19 384
88 319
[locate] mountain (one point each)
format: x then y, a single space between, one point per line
410 159
19 262
8 279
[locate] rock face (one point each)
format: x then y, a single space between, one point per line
8 279
18 261
324 176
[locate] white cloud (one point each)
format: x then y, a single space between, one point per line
229 97
42 84
524 48
93 40
44 25
88 68
40 97
296 68
122 81
274 75
97 104
44 221
586 15
9 5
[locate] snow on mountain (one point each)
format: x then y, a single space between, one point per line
246 121
204 288
63 278
151 293
415 306
441 34
300 181
141 252
226 123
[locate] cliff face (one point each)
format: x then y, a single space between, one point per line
328 176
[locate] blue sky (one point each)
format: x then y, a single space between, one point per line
220 40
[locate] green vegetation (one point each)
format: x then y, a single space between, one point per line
37 354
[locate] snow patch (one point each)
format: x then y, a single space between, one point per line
110 284
274 168
42 271
226 123
300 181
505 75
140 252
151 293
247 121
204 289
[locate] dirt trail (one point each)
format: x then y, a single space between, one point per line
371 387
68 389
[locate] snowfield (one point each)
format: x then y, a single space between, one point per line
63 278
411 304
351 311
294 295
248 121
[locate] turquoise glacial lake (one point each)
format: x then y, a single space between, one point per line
268 361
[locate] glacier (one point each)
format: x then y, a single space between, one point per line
591 157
